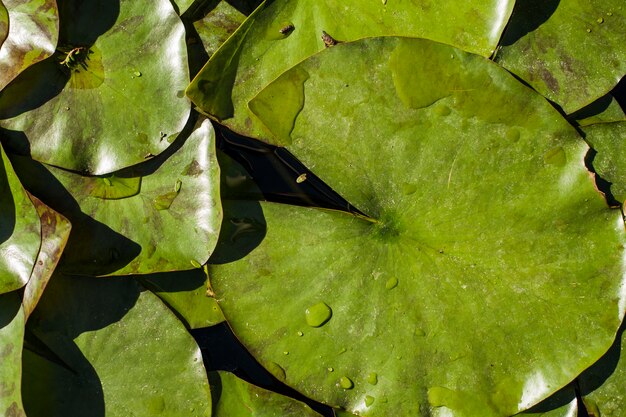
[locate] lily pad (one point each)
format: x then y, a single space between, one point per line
68 109
280 34
125 351
188 295
217 26
604 110
55 231
4 23
602 385
562 404
20 232
608 140
233 397
171 224
570 51
485 258
29 31
11 338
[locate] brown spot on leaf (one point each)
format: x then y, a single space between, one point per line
14 411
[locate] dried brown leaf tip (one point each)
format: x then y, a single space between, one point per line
329 40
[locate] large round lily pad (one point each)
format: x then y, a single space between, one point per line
162 215
112 94
571 51
121 353
20 231
281 33
29 31
486 260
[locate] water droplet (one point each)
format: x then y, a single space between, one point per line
372 378
609 13
67 108
588 30
137 73
286 353
276 370
369 400
330 369
555 156
195 264
512 135
342 350
408 189
420 332
600 20
300 334
318 314
107 181
345 383
177 186
391 283
301 178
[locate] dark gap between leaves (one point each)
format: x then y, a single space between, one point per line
222 351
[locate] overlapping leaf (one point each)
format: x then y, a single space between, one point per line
11 338
55 231
281 33
170 224
604 110
233 397
20 232
29 31
571 51
217 25
122 353
487 257
188 295
4 23
608 140
113 93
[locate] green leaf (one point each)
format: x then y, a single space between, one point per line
280 34
217 26
610 162
112 94
55 231
562 404
570 51
11 338
139 234
4 23
20 232
29 30
126 354
233 397
486 257
188 295
602 385
606 109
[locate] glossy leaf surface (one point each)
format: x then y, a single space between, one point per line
564 403
463 293
234 397
69 110
187 294
571 51
172 224
124 354
29 30
55 231
20 233
217 25
11 336
608 139
282 33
